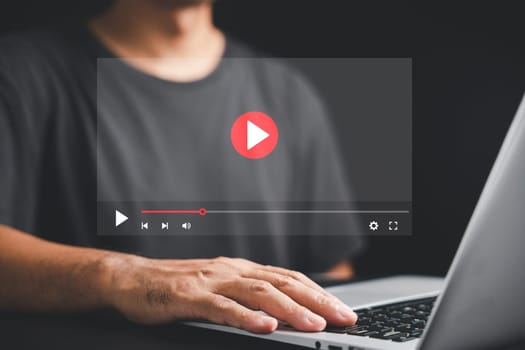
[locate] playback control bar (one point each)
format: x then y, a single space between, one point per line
131 218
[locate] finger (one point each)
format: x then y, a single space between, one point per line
298 276
293 274
322 303
262 295
221 310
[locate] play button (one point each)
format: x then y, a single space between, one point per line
119 218
254 135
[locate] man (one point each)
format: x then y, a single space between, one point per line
48 187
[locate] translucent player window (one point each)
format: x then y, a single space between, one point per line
260 146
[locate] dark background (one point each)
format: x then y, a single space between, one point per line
469 75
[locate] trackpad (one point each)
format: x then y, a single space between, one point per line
386 289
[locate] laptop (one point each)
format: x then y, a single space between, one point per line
478 305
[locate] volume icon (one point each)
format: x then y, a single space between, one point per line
186 225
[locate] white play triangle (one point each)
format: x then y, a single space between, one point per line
254 135
119 218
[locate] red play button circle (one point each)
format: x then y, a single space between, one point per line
254 135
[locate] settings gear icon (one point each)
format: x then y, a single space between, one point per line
373 226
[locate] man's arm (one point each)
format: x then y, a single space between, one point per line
41 275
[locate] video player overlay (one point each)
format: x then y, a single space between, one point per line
261 146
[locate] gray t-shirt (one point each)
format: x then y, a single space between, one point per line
161 141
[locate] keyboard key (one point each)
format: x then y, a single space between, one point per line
402 338
419 323
392 324
371 333
416 333
339 330
376 327
405 328
345 329
358 331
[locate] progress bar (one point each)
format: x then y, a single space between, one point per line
204 211
201 211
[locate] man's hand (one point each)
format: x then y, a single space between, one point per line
221 290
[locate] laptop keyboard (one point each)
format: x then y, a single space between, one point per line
398 322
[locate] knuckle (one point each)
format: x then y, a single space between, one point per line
206 272
222 259
228 263
292 308
223 304
322 300
298 276
244 315
240 262
260 287
284 282
302 276
222 263
228 284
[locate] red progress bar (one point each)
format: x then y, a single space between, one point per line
201 211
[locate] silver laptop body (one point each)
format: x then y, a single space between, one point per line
481 302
